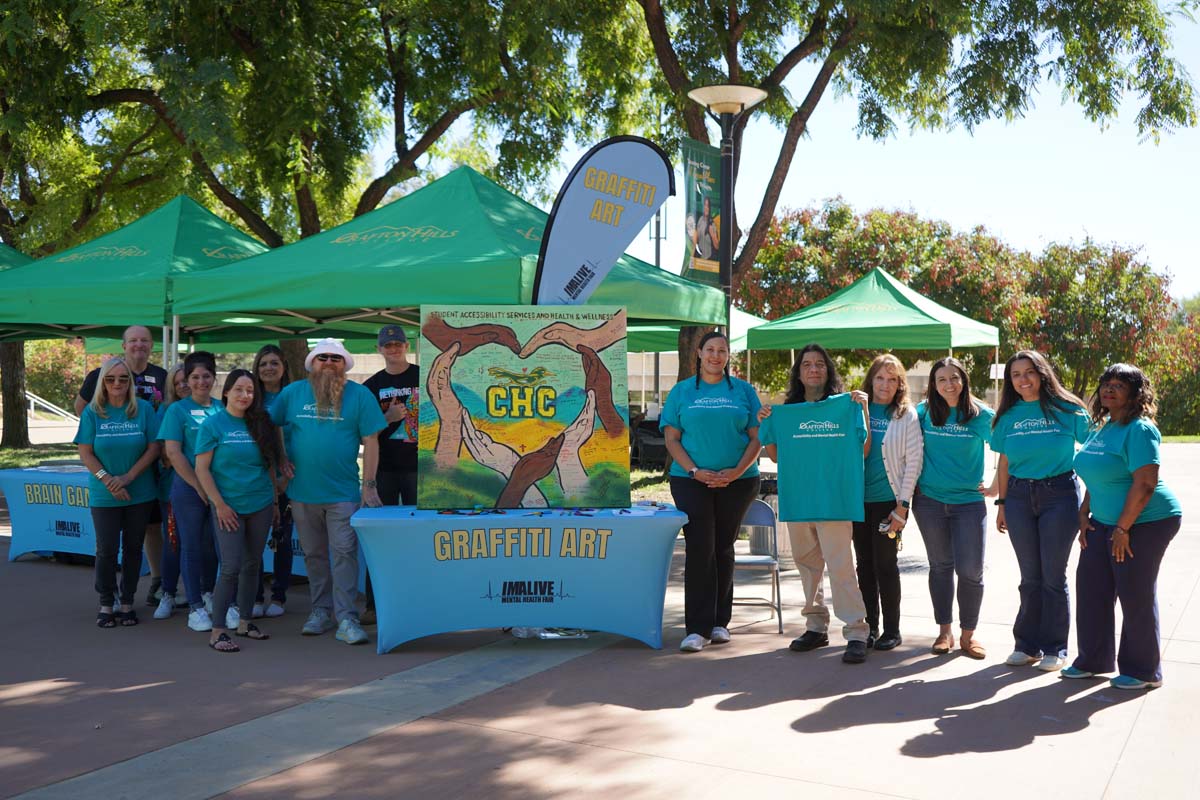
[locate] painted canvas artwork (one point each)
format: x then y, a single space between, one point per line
523 407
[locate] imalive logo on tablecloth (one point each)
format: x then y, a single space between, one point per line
65 527
527 591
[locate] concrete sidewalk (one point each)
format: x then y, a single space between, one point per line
150 711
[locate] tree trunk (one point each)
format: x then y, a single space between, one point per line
12 387
295 351
689 343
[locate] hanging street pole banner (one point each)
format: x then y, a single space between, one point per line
607 199
702 212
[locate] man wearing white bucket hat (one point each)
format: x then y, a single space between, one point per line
328 418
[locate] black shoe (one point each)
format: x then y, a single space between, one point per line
871 637
811 640
856 653
888 641
152 597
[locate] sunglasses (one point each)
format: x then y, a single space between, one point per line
330 357
116 379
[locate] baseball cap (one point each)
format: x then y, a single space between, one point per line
391 333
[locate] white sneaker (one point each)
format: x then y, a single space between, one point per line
207 598
274 610
317 623
199 620
692 643
232 618
719 635
350 632
166 607
1051 663
1019 658
257 611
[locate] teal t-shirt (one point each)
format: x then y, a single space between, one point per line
323 448
819 447
953 467
1107 463
714 421
877 489
183 420
237 467
1037 447
119 442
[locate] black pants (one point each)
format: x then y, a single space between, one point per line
714 516
241 557
281 534
123 528
878 572
395 488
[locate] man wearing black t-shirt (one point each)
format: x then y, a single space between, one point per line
149 382
395 387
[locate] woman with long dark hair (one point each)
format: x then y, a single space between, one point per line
1127 519
711 431
949 505
271 370
237 454
893 464
820 439
117 444
1035 431
193 516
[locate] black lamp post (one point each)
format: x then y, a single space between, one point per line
725 104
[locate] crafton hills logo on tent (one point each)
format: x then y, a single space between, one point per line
132 251
396 234
226 253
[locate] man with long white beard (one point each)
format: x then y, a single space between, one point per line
328 418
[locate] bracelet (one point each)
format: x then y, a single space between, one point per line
1118 529
101 474
898 518
369 484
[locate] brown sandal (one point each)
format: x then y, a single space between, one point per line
973 649
942 644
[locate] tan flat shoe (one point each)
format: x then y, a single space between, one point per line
942 645
973 649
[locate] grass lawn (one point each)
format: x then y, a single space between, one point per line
31 457
649 485
1182 439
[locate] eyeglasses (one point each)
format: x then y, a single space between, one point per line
116 379
330 357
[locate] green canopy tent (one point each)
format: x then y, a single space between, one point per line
665 338
460 240
875 312
127 277
10 258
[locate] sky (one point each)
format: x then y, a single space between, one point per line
1051 176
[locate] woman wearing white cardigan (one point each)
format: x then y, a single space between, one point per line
892 467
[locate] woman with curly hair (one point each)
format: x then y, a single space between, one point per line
237 453
1035 431
1126 509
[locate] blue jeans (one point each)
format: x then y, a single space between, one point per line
1043 519
1100 580
197 548
954 535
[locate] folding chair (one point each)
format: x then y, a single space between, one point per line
762 515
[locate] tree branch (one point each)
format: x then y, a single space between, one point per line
805 48
306 204
795 129
668 62
151 100
397 64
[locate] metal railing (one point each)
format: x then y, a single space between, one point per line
36 403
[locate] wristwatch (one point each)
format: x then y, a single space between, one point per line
998 501
369 484
692 472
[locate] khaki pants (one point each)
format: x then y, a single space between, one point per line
816 545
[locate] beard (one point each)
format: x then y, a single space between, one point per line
327 386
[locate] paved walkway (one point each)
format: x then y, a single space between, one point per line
151 712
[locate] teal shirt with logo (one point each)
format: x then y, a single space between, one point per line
1107 462
878 489
714 421
323 447
953 467
238 468
819 448
182 422
119 442
1037 447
